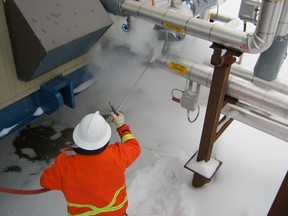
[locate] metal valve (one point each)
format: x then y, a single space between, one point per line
125 27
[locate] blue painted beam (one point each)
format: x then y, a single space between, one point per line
51 96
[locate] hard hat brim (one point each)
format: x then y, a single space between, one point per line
91 145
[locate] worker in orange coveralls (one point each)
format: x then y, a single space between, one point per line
91 176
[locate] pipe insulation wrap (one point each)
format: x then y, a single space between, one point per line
113 6
228 37
259 97
175 20
199 28
278 85
268 67
151 14
282 29
133 7
205 75
266 26
255 42
269 17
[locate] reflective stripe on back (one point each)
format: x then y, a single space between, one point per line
95 210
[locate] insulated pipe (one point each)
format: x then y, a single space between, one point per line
267 68
270 61
255 42
278 85
113 6
282 29
205 14
243 90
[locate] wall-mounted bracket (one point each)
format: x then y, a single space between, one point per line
55 93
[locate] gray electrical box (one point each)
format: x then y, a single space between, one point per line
46 34
190 96
249 10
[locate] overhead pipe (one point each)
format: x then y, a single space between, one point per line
261 98
255 42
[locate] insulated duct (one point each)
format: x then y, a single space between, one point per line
255 42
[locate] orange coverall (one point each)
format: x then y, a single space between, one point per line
94 184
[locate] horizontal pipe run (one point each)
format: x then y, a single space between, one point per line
260 120
186 24
255 42
278 85
261 98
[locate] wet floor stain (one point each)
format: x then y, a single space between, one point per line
12 169
42 143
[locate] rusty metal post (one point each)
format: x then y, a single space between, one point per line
280 204
215 103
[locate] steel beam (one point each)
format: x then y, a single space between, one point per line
280 206
222 66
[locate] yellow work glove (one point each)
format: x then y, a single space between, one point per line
118 120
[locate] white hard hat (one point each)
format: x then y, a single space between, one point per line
92 133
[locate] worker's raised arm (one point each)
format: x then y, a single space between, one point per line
129 145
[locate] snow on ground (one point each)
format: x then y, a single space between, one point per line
254 163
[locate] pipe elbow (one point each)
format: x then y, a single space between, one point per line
258 44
